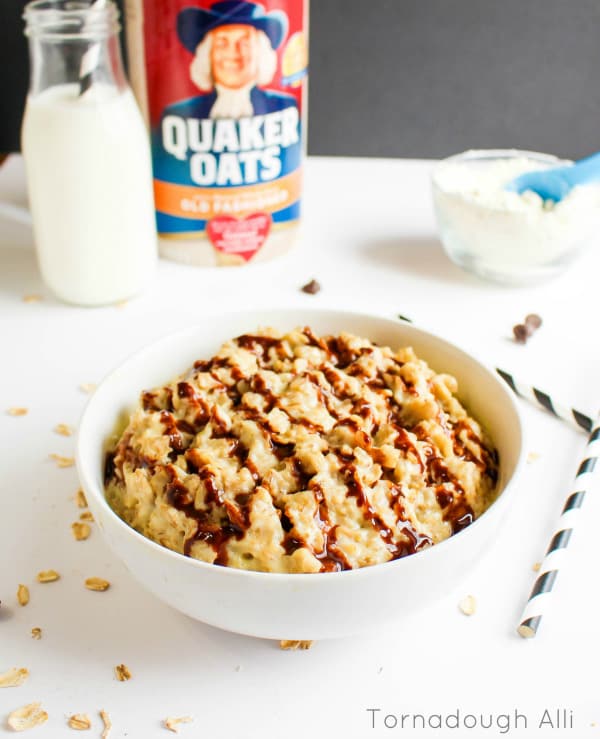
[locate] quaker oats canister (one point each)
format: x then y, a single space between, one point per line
223 85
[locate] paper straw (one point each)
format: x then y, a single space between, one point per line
557 551
90 59
542 400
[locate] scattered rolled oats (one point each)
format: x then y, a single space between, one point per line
80 499
48 576
172 723
468 605
86 516
80 721
123 673
63 461
81 531
107 724
32 298
293 644
87 387
17 411
532 456
14 677
537 566
27 717
63 429
23 595
97 583
121 303
36 633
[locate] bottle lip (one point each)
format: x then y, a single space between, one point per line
71 19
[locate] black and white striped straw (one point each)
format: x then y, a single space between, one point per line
534 610
91 58
576 418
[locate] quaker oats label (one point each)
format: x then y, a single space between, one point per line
225 88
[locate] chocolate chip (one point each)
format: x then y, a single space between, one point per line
311 287
533 321
521 332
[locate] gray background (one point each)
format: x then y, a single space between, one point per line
423 78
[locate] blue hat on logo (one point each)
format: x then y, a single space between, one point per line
194 23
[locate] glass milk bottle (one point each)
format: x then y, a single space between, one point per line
87 156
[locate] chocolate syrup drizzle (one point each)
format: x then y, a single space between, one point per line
222 519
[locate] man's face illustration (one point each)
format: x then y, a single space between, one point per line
234 55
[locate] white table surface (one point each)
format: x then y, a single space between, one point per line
369 239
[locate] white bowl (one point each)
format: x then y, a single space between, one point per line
297 606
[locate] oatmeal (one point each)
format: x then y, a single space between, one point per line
298 453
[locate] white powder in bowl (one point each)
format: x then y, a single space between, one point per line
502 234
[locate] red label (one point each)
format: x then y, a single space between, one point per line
242 237
168 61
226 86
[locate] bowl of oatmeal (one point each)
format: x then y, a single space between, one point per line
299 474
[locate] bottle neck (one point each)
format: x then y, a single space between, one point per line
69 40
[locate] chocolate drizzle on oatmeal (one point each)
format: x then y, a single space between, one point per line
109 466
216 535
368 446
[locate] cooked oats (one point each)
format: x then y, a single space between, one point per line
27 717
47 576
97 583
63 461
80 721
122 673
468 605
296 453
36 633
80 499
293 644
81 531
17 411
107 724
64 429
173 723
23 595
14 677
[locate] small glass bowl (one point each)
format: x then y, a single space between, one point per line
501 236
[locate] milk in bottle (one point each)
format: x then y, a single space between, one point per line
87 159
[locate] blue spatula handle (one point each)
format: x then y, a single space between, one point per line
556 183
